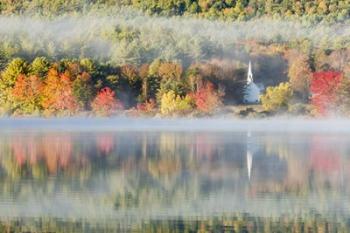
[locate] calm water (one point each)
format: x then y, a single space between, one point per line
66 179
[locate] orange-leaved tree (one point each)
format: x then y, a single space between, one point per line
58 95
26 95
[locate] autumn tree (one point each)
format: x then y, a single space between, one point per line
151 79
105 102
324 87
83 89
27 95
8 79
39 67
194 78
88 65
175 104
299 74
130 85
277 98
145 85
170 71
343 97
58 97
206 98
170 74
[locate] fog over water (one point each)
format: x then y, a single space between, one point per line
162 124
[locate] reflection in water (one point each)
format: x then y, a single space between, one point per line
189 181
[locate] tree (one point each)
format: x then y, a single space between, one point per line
58 95
299 74
39 67
16 67
172 103
130 85
206 98
324 86
27 95
8 79
170 71
343 97
83 90
105 102
145 87
277 98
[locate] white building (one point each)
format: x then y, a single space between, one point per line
251 90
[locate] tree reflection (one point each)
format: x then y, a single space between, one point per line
152 171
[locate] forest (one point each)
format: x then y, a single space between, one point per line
173 58
328 10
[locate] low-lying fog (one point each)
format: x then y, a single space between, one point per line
157 124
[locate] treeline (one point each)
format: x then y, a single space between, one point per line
318 84
247 9
315 83
69 87
328 10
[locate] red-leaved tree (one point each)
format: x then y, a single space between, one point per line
206 98
324 86
105 102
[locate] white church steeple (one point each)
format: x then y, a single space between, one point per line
250 74
251 90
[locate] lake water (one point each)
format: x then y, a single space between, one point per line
167 176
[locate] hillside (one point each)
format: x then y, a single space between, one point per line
188 57
328 10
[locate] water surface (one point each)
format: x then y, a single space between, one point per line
123 175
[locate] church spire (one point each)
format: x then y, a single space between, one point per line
251 90
250 74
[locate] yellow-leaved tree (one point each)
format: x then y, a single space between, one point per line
172 103
277 98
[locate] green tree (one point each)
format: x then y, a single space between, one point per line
39 67
83 90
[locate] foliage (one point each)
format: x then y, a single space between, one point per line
172 103
227 76
66 87
130 85
170 71
206 98
83 90
57 97
324 86
16 67
39 67
225 9
343 97
8 79
27 95
147 107
299 74
277 98
105 102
